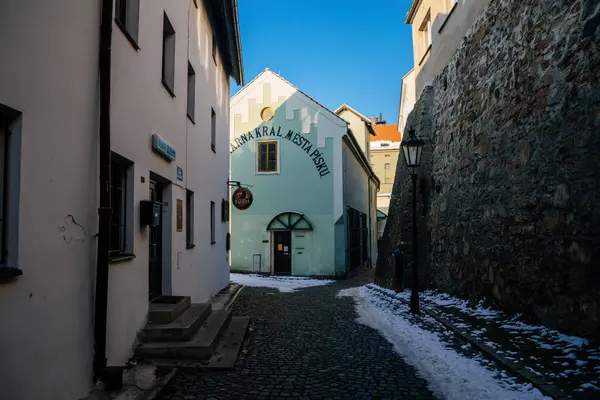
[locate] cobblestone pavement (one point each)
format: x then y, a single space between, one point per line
304 345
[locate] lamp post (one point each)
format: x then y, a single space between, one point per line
412 149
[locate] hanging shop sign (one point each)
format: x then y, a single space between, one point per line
298 139
242 198
162 147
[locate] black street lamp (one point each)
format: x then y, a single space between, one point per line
412 148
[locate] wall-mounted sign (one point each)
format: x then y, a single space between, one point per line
162 147
242 198
179 174
297 138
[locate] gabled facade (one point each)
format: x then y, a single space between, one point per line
166 124
305 217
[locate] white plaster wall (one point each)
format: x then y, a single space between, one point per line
141 106
49 72
407 99
444 42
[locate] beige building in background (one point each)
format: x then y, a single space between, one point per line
438 26
385 149
169 108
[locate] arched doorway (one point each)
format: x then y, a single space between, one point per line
281 227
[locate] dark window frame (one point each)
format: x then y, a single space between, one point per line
214 47
213 130
212 223
357 238
127 16
119 171
4 137
189 219
168 46
224 210
191 92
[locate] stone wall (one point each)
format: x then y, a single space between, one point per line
514 208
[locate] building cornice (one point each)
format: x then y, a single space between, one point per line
412 11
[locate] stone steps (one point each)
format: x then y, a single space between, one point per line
166 309
179 332
200 346
224 356
181 329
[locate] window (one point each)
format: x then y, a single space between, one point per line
224 211
3 187
425 33
191 92
214 47
388 165
267 114
267 157
213 129
189 219
10 139
118 222
127 14
212 223
168 56
357 235
364 236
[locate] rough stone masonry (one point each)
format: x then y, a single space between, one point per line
510 196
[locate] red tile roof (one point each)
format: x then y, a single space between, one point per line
386 132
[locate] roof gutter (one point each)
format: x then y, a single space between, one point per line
104 210
238 41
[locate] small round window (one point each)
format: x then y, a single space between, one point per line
267 114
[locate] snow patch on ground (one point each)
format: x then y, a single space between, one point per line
450 374
282 283
443 299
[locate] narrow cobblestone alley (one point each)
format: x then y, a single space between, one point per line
304 345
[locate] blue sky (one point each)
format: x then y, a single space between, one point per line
336 51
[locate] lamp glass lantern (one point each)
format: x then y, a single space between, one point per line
412 149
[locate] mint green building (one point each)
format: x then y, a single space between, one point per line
310 204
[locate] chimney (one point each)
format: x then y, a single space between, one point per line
381 116
373 120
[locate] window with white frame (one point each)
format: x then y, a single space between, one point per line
267 157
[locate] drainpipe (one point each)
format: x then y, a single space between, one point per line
104 211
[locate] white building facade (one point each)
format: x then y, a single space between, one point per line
169 126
